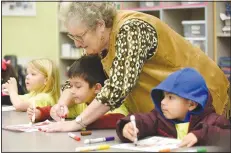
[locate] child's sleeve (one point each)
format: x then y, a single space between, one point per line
145 122
43 100
76 110
45 113
209 133
107 121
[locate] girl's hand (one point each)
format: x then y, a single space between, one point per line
189 140
11 85
30 113
129 131
59 111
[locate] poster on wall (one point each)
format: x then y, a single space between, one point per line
18 8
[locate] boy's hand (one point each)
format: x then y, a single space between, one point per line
59 111
129 131
30 113
189 140
11 85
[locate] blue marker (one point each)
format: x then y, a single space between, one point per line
99 140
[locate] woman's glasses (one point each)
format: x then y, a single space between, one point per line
78 38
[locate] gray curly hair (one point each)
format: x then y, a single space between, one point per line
87 12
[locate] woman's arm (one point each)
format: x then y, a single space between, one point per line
93 112
135 44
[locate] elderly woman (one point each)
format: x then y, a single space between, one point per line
138 51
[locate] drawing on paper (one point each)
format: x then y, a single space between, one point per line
26 127
154 143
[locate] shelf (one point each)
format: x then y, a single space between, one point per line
68 58
195 38
157 8
146 9
185 6
223 35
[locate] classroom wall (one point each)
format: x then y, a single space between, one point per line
31 37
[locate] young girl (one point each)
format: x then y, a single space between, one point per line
42 82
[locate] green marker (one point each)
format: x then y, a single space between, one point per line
197 150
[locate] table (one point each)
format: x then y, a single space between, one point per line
51 142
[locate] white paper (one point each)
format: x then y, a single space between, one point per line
153 144
26 127
8 108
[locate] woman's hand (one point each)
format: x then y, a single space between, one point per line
30 113
129 131
189 140
59 111
11 86
66 126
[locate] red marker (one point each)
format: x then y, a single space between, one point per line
74 136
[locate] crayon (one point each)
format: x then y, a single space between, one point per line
132 118
83 133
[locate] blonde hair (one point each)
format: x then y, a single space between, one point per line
87 12
50 71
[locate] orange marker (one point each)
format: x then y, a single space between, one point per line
165 150
74 136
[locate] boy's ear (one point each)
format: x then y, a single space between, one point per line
98 87
192 105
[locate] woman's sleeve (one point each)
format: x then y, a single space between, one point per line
135 44
66 85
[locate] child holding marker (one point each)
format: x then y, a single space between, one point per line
183 110
42 82
86 77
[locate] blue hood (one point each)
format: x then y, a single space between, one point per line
186 83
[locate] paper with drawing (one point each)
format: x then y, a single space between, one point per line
26 127
153 144
8 108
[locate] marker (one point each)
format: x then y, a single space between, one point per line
197 150
83 133
33 116
92 148
99 140
165 150
62 112
132 118
5 91
72 135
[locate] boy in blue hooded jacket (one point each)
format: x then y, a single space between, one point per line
183 110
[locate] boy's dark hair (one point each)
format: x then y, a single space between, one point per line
89 68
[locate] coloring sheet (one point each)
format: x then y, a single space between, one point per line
8 108
151 144
26 127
